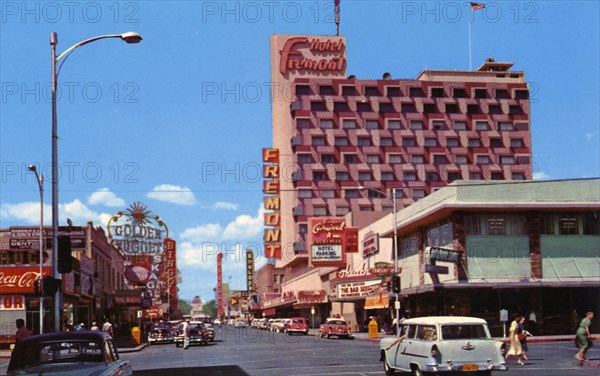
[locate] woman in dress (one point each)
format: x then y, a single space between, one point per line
515 345
583 336
523 334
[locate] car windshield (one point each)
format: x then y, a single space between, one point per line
297 321
336 322
466 331
63 351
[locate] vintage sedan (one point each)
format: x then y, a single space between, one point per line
443 344
296 325
68 353
335 327
161 332
197 334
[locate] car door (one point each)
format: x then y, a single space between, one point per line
402 354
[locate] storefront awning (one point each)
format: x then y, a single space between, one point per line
377 302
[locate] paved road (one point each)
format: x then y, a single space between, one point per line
248 352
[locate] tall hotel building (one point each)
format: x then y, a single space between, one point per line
344 142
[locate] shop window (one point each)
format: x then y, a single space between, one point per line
591 225
460 126
567 224
518 224
472 224
495 224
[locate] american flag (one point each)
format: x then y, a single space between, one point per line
477 6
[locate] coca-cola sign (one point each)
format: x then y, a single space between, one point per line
15 280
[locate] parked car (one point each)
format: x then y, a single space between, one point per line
197 333
263 324
278 325
240 324
209 333
335 327
296 325
161 332
443 344
273 323
68 353
217 322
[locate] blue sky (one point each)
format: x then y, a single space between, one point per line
178 121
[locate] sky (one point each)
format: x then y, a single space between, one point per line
178 121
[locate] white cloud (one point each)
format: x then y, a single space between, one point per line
203 233
540 175
105 197
173 194
245 226
221 205
29 212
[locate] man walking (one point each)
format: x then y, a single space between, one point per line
107 327
22 331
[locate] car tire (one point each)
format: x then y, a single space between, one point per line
389 371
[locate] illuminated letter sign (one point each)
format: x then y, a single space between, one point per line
324 55
326 239
272 236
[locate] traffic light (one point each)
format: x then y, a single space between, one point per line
396 284
65 264
51 285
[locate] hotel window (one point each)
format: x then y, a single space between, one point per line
431 142
318 106
386 107
475 176
414 124
430 108
507 159
438 125
410 176
473 109
415 92
437 92
461 159
304 193
320 211
341 141
305 158
349 90
440 159
303 123
326 90
318 141
328 158
349 123
546 223
459 93
496 143
350 158
408 107
591 225
481 126
373 158
386 141
303 228
341 107
502 94
497 176
371 124
518 176
494 109
515 110
393 92
432 176
303 90
319 176
408 142
516 143
363 107
474 142
394 158
342 176
342 210
328 193
326 124
387 176
521 94
365 176
567 224
495 224
372 91
351 193
483 159
460 126
394 124
452 176
452 143
371 193
505 126
481 93
417 159
452 108
418 193
364 141
364 208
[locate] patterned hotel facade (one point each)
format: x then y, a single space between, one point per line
344 143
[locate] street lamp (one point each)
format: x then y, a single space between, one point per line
40 182
394 249
129 37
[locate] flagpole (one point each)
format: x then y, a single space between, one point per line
469 22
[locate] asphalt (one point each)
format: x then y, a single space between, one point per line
127 346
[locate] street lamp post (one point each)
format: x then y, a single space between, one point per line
129 37
40 182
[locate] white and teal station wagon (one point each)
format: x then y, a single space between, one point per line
435 345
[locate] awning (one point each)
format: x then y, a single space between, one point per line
377 302
269 312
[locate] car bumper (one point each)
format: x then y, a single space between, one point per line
466 367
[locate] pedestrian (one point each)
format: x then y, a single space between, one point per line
22 331
81 326
523 333
515 345
583 337
107 327
185 328
94 326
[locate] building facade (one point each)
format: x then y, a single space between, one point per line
344 143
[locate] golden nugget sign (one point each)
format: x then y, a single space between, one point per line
324 55
272 218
